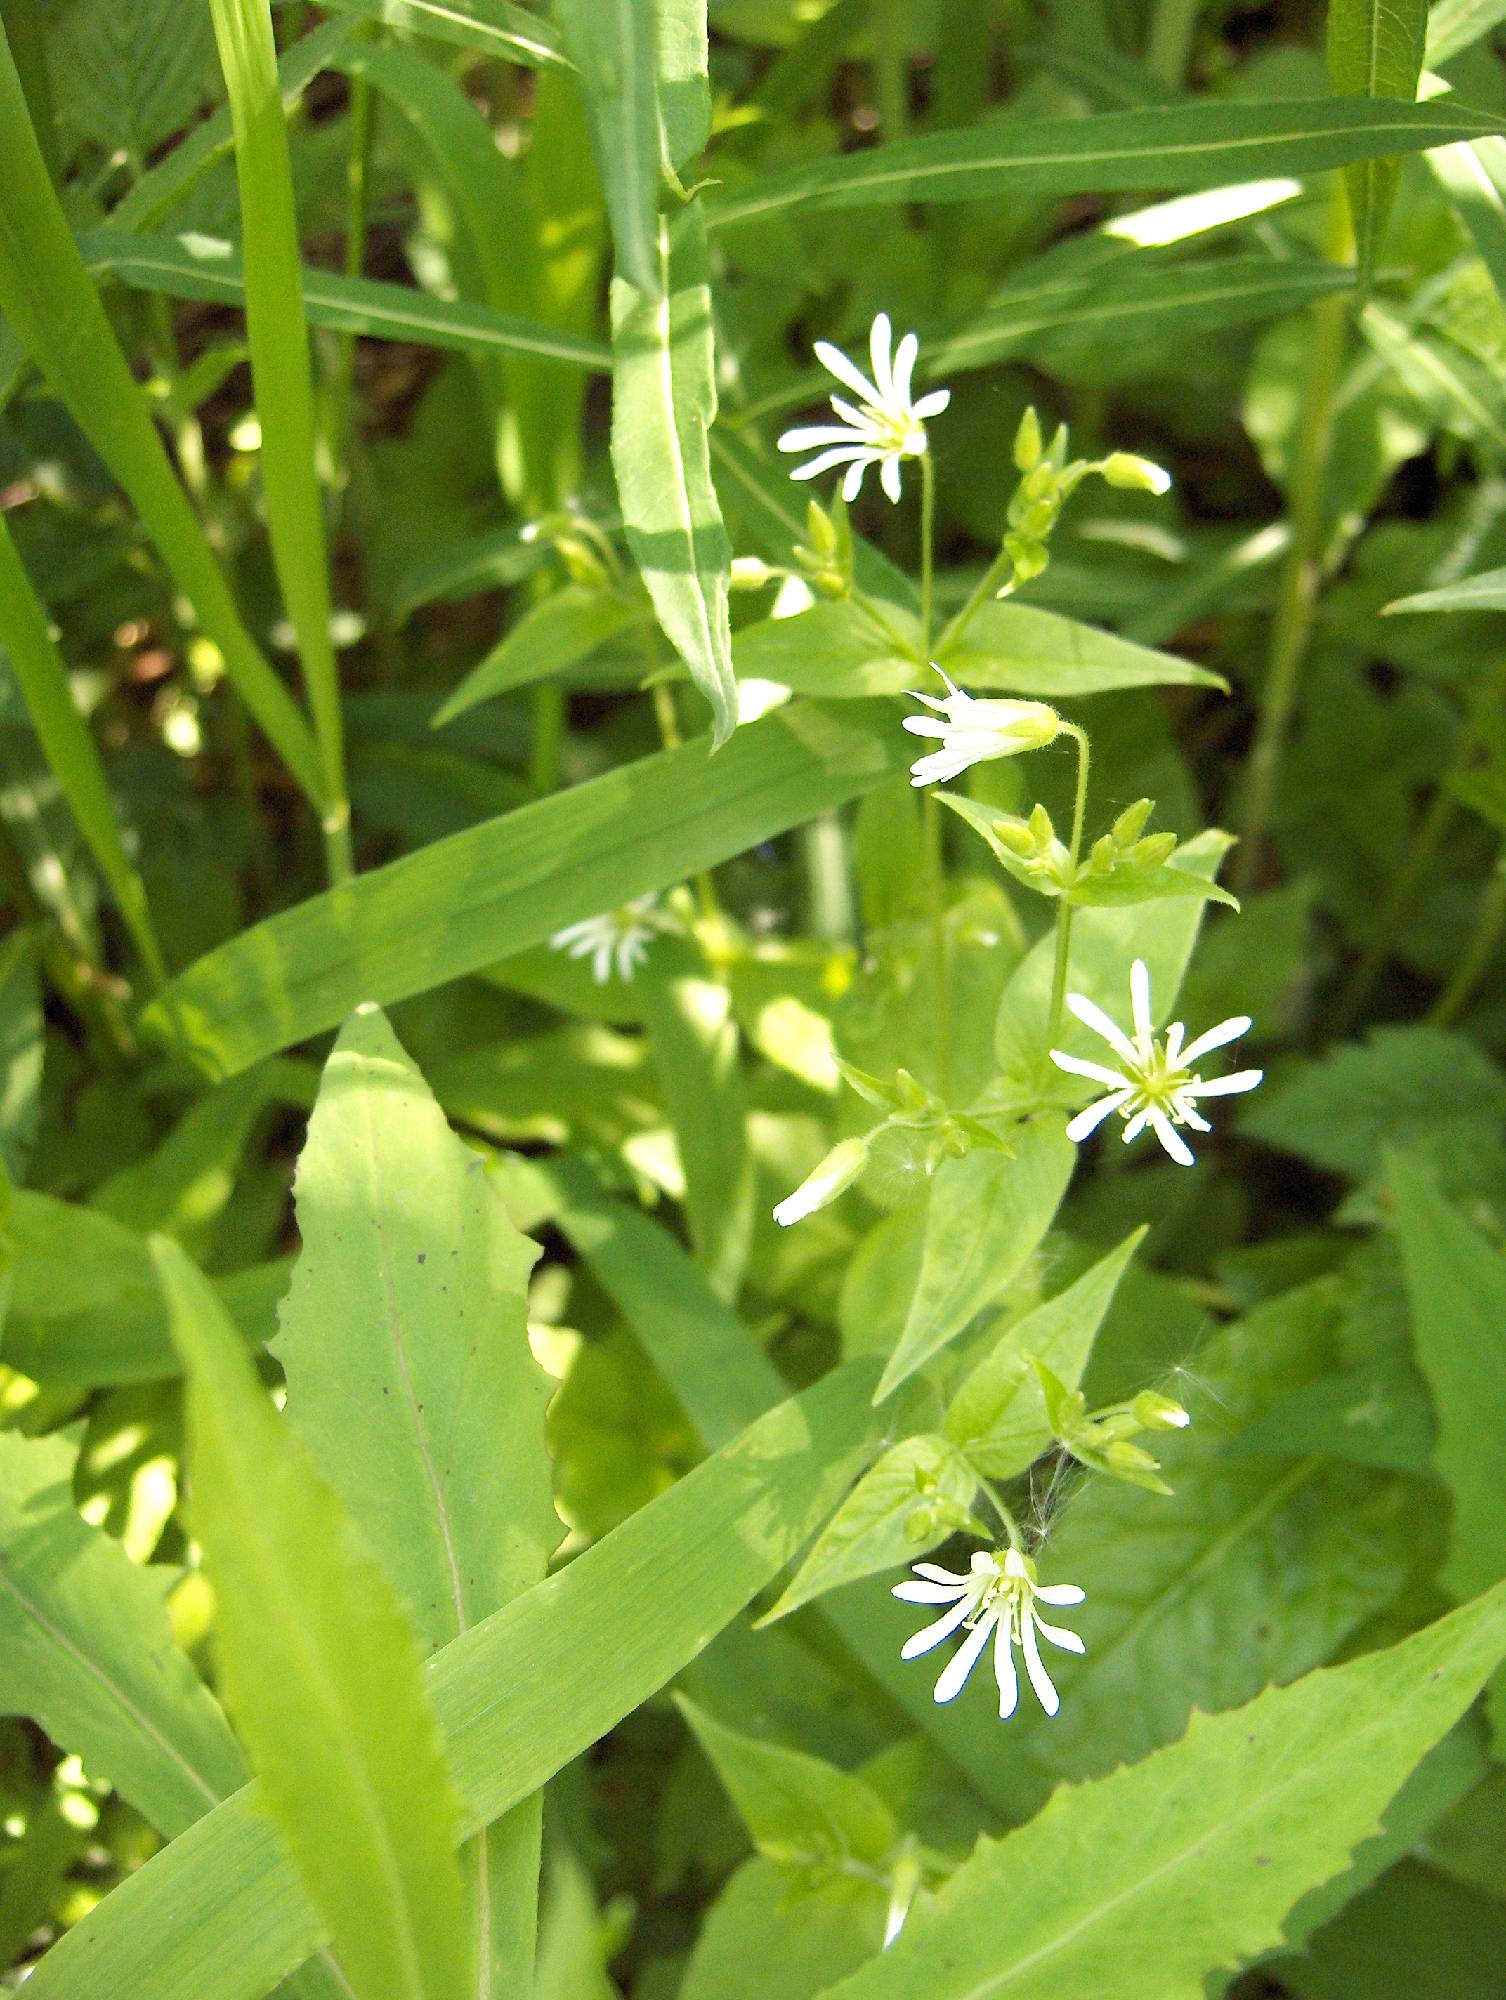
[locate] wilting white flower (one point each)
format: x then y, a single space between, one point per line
616 940
998 1597
975 730
838 1170
1155 1083
886 425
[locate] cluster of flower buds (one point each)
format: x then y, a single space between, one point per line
1104 1439
1032 851
580 544
825 558
936 1513
1047 482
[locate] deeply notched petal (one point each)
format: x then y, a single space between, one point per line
995 1600
885 425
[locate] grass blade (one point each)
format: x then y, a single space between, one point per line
322 1672
478 896
1191 145
46 294
485 27
283 382
612 44
70 750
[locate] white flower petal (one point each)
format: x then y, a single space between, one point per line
1087 1122
932 1635
1060 1593
852 485
922 725
1006 1673
1140 1000
1059 1636
879 336
889 476
1171 1140
859 420
836 363
842 454
1040 1680
939 1575
1228 1086
931 404
904 369
1097 1072
1226 1031
806 436
1092 1016
1174 1036
1136 1126
928 1593
962 1662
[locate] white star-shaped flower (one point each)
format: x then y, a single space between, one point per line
886 426
998 1597
1155 1083
976 729
615 941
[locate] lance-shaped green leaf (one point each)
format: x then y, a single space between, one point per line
20 1050
485 27
916 1495
683 85
1374 51
1227 1828
1454 24
1195 144
85 1649
71 755
48 298
549 639
221 1914
989 1211
321 1671
479 896
663 407
404 1341
1456 1295
612 44
998 1414
800 1810
1485 592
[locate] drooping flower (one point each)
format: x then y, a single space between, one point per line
1155 1083
838 1170
615 941
884 427
976 730
998 1597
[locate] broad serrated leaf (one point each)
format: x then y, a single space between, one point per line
801 1811
663 407
612 44
998 1414
874 1528
322 1673
988 1213
85 1649
1226 1829
1375 50
404 1342
128 73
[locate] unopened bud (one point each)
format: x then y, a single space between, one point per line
1155 1412
1131 822
1016 836
1027 441
750 573
1040 825
837 1171
1154 851
1142 475
1101 856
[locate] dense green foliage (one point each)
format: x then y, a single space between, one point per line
576 961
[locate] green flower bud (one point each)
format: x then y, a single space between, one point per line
1154 851
1102 855
751 573
1027 440
1016 836
837 1171
1125 469
1155 1412
1040 825
1131 822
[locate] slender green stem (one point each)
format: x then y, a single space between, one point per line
1471 968
1169 46
1064 906
987 586
891 82
1302 569
903 646
1005 1514
548 737
357 213
927 548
